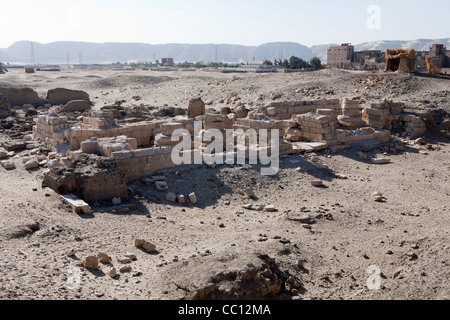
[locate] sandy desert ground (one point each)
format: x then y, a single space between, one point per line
216 245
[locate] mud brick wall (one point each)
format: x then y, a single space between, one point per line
285 110
104 187
5 107
98 185
138 163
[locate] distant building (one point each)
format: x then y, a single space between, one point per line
440 56
167 61
345 57
258 67
341 57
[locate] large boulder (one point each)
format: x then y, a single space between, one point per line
5 108
62 96
19 97
196 108
76 105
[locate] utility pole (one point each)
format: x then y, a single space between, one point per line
215 55
33 59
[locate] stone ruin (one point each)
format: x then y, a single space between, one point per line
97 158
401 60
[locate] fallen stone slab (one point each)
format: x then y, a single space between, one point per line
254 207
302 147
317 183
381 161
14 145
78 205
270 208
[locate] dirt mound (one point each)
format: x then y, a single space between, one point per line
234 275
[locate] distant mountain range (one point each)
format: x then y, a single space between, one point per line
86 52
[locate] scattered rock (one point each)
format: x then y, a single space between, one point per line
193 198
130 256
254 207
3 153
124 260
419 141
171 197
381 161
147 246
91 263
32 164
378 197
161 186
321 166
317 183
270 208
125 269
8 165
249 193
116 201
112 273
103 258
181 199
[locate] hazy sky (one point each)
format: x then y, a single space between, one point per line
249 22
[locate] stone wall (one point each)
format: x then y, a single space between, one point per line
138 163
285 110
52 129
391 116
142 132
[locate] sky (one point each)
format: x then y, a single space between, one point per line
246 22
